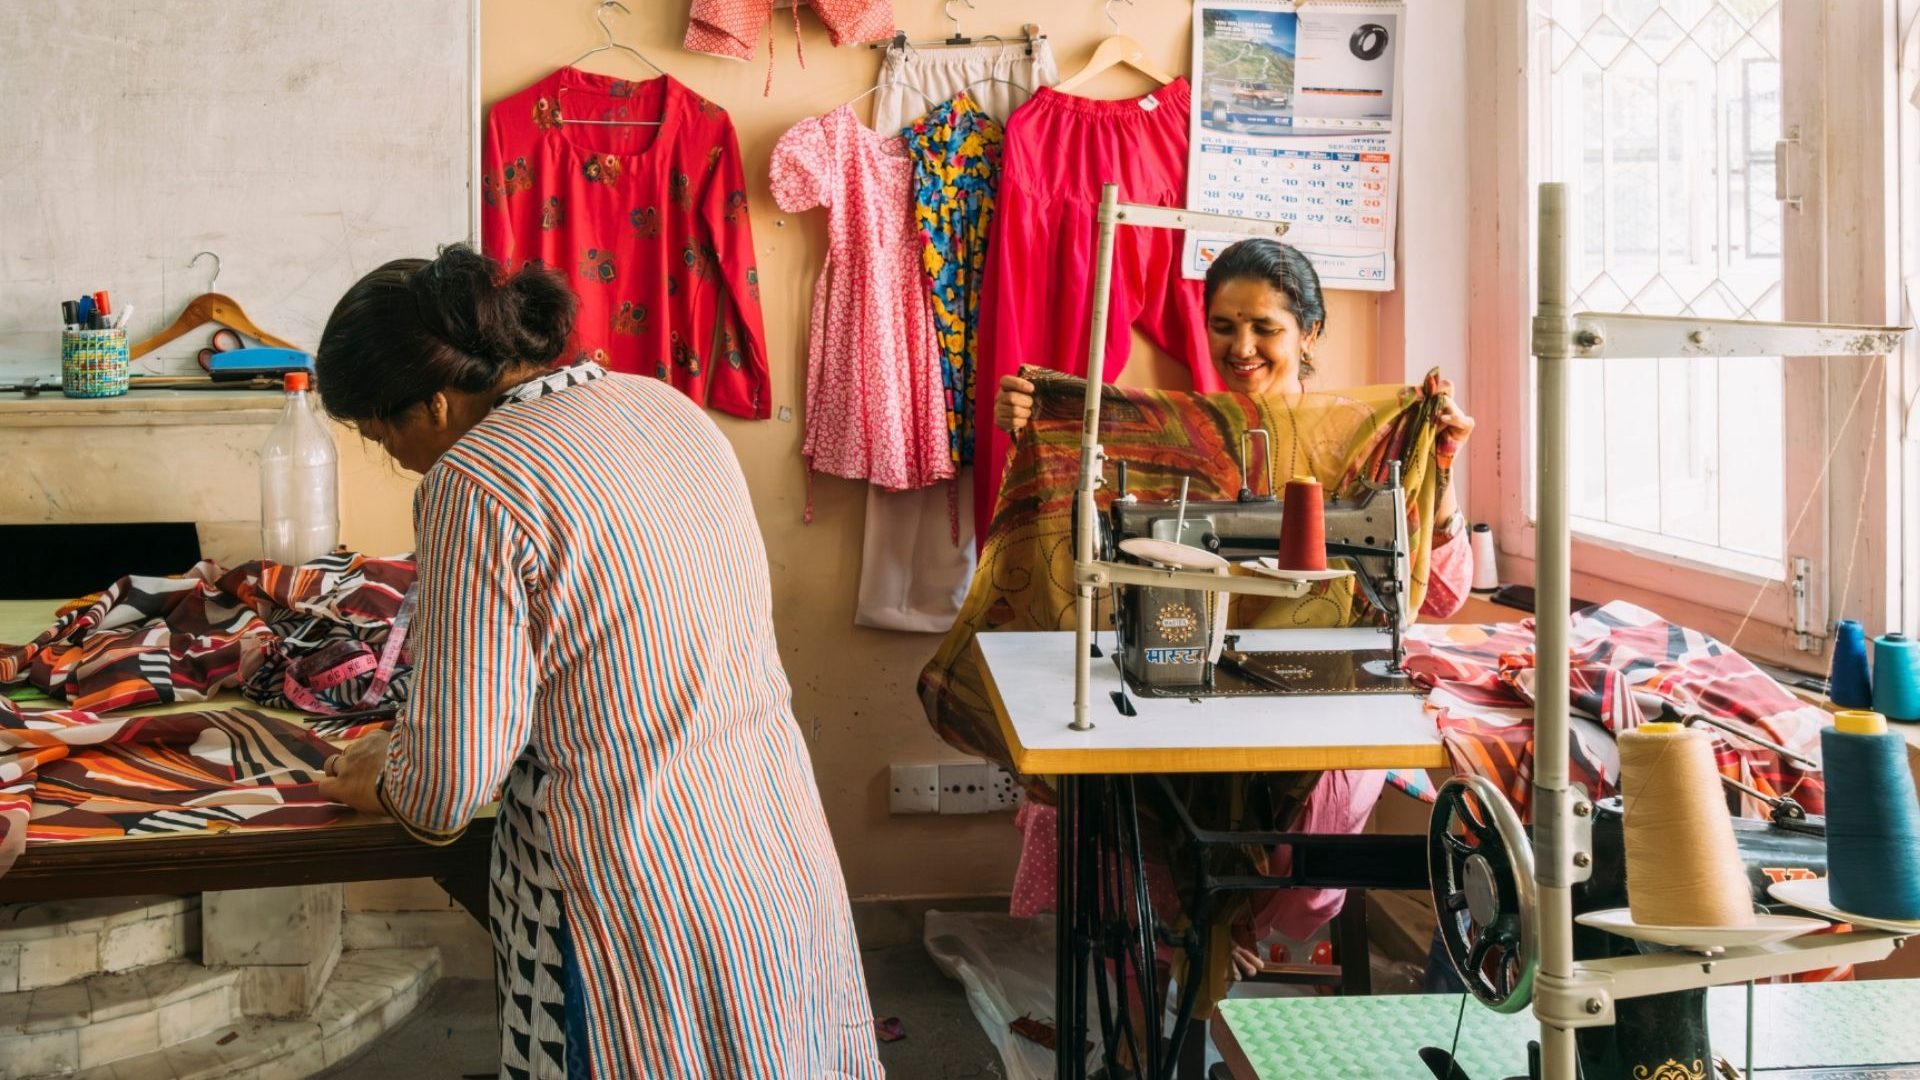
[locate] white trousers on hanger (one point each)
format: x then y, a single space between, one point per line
912 575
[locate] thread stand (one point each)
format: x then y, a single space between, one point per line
1569 995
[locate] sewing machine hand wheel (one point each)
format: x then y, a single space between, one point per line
1480 870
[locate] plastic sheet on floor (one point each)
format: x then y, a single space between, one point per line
1006 966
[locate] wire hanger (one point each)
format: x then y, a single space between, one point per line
924 96
1029 34
599 16
1113 52
209 307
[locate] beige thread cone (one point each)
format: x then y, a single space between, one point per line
1683 866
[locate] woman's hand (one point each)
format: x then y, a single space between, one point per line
353 775
1013 405
1454 423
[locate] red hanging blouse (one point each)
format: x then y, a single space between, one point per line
648 223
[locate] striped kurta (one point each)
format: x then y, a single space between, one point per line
594 604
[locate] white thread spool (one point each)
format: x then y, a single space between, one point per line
1486 575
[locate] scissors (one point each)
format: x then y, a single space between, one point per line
224 340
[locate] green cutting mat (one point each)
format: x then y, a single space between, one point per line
1375 1038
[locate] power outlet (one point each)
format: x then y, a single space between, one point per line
1002 792
963 787
913 789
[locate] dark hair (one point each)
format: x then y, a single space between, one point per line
1279 266
413 328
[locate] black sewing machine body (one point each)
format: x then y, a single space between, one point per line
1488 923
1650 1032
1164 633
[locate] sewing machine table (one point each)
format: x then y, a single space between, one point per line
1029 677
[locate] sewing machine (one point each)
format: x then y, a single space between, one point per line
1172 640
1480 867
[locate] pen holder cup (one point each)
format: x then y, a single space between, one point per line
93 363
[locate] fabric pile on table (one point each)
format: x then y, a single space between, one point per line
327 638
1628 665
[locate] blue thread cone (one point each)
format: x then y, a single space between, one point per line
1873 825
1896 678
1848 684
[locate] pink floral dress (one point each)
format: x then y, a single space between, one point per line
875 408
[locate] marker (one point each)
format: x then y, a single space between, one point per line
102 303
69 315
120 320
86 311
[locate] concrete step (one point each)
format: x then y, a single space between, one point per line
104 1018
55 943
372 991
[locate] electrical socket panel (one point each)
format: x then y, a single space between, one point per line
1003 792
963 787
913 789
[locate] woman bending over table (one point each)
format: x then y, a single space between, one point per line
593 628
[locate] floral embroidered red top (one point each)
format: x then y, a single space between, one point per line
648 223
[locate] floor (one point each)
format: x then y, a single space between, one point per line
453 1034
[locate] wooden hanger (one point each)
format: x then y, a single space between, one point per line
206 308
1113 52
1116 50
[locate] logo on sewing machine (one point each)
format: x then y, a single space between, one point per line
1176 623
1173 656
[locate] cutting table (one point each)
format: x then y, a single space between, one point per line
1101 773
1835 1031
359 847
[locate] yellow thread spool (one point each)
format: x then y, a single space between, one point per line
1860 722
1683 866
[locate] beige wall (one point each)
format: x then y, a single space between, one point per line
853 687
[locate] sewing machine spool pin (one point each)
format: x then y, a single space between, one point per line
1246 464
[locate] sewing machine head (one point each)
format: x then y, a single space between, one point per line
1165 634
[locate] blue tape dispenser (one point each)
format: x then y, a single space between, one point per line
256 363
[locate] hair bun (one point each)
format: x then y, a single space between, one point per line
468 301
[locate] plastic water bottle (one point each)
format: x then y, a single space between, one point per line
299 503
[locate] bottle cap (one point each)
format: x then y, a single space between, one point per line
295 380
1860 722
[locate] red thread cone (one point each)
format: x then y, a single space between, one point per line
1303 526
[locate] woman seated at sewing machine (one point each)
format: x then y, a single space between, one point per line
1264 314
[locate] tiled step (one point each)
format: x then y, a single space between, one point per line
51 944
371 991
103 1018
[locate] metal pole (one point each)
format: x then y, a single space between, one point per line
1552 347
1086 513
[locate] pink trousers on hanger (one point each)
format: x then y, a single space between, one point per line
1038 288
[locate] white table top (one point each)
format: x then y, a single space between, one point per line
1030 678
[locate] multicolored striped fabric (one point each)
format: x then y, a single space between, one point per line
318 638
72 775
593 585
1627 664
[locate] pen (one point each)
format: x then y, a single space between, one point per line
120 320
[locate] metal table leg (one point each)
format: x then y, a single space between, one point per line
1070 950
